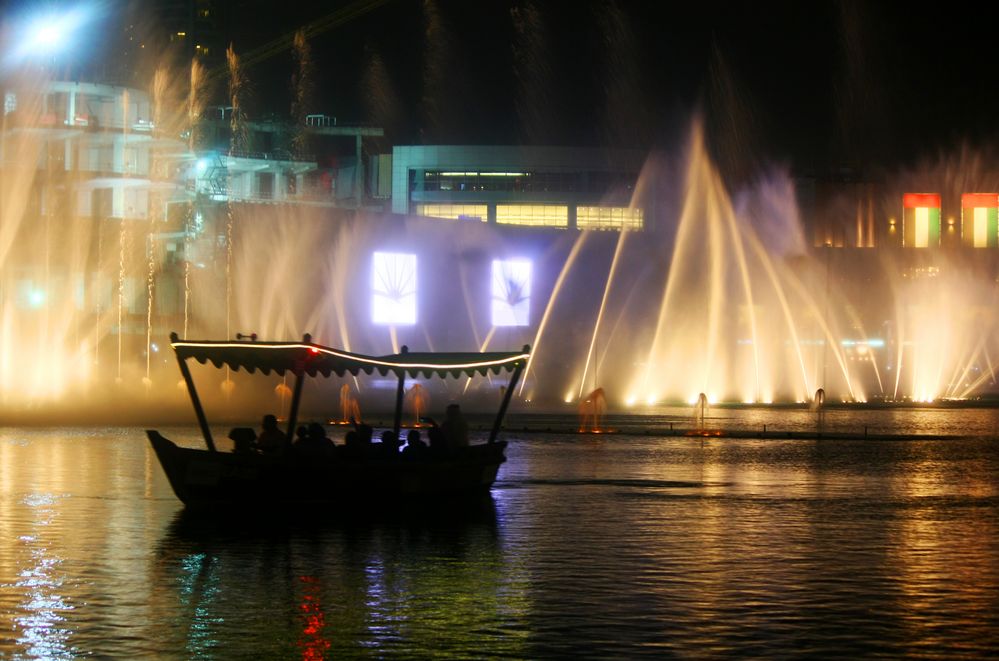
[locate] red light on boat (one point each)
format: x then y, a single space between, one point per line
313 350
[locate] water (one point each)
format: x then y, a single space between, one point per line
611 546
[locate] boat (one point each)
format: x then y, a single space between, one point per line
210 478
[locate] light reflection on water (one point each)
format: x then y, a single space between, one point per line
611 546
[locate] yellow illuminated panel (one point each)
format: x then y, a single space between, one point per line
535 215
453 211
609 218
981 228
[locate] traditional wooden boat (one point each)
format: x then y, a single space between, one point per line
210 478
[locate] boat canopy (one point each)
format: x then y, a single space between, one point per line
314 359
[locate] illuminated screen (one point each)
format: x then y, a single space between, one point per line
511 292
393 288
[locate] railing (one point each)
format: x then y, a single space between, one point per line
277 155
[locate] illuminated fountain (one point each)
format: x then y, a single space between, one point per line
700 411
591 412
350 408
718 301
417 401
819 406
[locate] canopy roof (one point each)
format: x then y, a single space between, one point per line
315 359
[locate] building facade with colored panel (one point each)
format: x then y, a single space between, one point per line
920 220
980 220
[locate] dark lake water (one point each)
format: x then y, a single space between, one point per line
612 546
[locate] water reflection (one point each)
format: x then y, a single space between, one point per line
421 586
40 620
615 547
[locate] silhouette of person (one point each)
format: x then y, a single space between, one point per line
271 439
315 443
415 447
243 439
390 443
455 427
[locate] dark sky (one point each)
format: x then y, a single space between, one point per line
816 84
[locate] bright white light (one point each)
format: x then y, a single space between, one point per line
650 400
511 303
36 298
630 401
393 289
49 34
201 166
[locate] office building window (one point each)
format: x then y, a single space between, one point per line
453 211
609 218
535 215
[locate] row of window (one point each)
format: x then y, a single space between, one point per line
541 215
593 182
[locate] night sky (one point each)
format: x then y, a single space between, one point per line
815 85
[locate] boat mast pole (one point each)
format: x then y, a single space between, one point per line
514 378
399 392
296 396
198 410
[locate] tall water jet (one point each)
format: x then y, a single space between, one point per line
566 267
600 312
710 335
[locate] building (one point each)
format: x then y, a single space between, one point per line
560 187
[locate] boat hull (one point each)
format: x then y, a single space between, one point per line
201 478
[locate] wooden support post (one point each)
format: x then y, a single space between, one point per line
198 410
514 378
296 396
399 393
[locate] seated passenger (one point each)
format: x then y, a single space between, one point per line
271 439
390 444
364 433
352 445
242 439
315 443
415 447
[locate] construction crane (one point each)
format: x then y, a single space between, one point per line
280 44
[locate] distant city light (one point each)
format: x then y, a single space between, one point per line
201 166
36 298
393 289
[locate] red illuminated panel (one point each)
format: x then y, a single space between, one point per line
972 200
917 200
